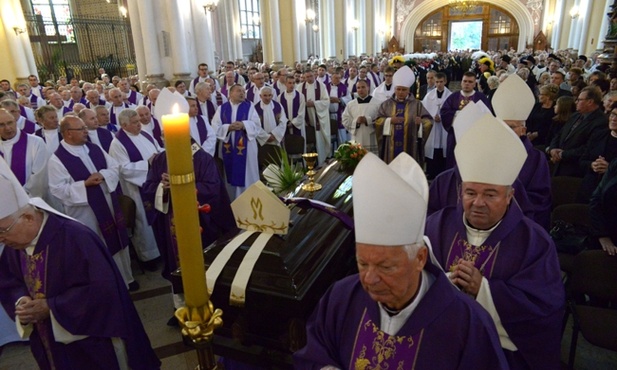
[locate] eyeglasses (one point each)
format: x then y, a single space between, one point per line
6 230
78 129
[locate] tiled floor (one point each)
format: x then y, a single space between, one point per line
154 304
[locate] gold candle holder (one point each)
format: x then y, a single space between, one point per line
311 159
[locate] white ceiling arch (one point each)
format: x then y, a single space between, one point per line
520 13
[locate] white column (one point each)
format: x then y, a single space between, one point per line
300 27
558 23
298 12
23 41
275 32
178 37
585 17
604 27
149 35
15 46
351 34
574 27
140 55
204 45
228 26
379 21
327 30
361 34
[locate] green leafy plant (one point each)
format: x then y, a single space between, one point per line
281 174
349 155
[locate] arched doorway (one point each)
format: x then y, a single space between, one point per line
497 29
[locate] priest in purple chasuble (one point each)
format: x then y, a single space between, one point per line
85 179
211 190
450 108
339 97
200 128
61 285
400 311
236 124
26 155
294 106
399 119
503 259
535 174
317 114
134 149
271 117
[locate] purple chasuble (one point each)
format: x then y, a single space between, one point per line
295 107
317 97
235 151
18 158
112 225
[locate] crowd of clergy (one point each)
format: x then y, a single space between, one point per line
74 152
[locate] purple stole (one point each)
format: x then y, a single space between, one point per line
18 159
326 80
276 109
340 92
22 111
29 127
34 269
132 97
145 100
112 128
195 82
34 101
248 86
158 133
112 114
66 110
101 102
219 99
235 152
40 134
250 94
224 90
398 130
483 256
295 107
211 109
374 347
201 128
135 156
375 78
105 137
82 101
317 97
111 224
276 88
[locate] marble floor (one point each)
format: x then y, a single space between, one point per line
154 304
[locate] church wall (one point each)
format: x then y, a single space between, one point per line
287 38
7 62
598 17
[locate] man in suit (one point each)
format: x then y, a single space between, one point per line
567 148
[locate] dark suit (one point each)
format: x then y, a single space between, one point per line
603 205
598 146
574 141
424 90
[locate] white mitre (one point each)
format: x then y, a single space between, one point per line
403 77
490 153
513 99
12 195
466 117
389 201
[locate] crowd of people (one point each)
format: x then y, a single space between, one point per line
490 149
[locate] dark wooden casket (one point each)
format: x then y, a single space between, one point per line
289 278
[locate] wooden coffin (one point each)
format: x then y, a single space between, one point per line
289 278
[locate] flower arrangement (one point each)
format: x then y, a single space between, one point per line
283 177
349 155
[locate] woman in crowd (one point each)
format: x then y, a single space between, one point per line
565 106
600 151
603 209
577 87
541 117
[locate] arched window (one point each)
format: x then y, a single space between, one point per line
250 21
489 26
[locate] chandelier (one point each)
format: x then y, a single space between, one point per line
464 6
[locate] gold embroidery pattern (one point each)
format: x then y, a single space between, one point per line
384 348
470 252
33 276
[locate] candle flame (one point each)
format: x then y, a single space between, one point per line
175 109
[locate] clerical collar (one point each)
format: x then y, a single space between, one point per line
468 94
388 87
440 93
477 236
365 100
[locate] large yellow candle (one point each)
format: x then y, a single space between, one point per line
184 203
